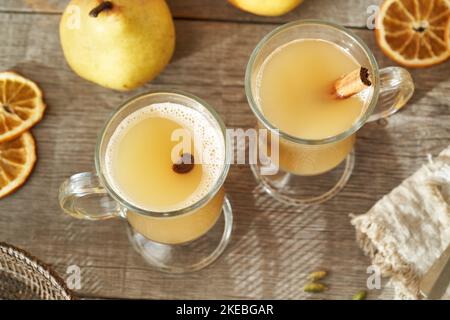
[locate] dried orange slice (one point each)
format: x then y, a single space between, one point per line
17 159
414 33
21 105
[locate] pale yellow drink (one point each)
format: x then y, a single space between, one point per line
293 92
140 168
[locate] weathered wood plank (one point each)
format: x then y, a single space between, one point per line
273 246
346 12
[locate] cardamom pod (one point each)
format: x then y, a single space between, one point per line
314 287
360 295
317 275
185 164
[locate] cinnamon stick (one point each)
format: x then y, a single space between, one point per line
351 84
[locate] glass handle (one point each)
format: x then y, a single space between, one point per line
82 196
396 88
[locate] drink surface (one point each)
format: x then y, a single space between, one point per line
140 162
294 85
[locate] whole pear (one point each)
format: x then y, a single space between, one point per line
266 7
118 44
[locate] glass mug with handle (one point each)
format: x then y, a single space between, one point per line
293 69
178 216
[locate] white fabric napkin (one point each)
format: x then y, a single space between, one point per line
408 229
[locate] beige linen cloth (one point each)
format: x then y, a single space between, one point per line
408 229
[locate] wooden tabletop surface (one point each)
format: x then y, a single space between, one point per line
273 246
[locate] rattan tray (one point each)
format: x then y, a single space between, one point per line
24 277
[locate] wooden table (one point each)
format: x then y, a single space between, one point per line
273 246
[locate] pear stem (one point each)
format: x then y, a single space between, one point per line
106 5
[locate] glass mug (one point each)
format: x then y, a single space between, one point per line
178 241
313 171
